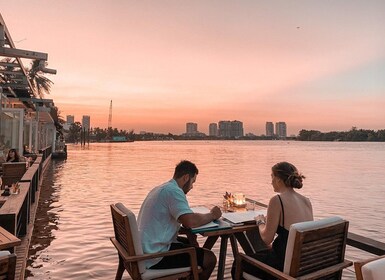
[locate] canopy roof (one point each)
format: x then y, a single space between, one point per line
15 84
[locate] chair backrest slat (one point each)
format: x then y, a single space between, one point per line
316 245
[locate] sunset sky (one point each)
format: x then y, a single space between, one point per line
313 64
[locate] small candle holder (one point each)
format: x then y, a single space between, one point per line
239 200
15 188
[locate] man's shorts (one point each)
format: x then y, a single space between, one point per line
181 260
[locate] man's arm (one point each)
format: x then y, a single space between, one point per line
192 220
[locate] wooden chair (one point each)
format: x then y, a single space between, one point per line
131 258
370 269
315 250
12 172
7 265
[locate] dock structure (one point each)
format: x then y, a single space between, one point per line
30 124
18 211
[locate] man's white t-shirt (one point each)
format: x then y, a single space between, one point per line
158 218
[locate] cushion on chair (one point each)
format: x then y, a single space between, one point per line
303 227
374 270
156 273
4 253
135 234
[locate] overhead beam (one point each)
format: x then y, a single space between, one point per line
15 86
21 79
2 35
11 52
16 73
9 64
36 100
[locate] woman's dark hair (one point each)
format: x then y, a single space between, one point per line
17 157
289 174
185 167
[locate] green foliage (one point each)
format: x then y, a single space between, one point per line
40 83
74 133
101 134
355 135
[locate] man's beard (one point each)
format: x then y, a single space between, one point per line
186 187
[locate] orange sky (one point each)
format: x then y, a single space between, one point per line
313 64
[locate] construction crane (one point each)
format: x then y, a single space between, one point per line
109 128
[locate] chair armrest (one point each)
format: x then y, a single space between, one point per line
190 250
326 271
272 271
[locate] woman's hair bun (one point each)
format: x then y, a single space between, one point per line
289 174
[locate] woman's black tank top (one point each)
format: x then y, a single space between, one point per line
280 242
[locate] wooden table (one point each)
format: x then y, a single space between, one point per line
8 240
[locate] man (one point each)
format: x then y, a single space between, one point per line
163 211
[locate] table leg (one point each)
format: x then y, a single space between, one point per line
210 241
222 257
244 242
234 246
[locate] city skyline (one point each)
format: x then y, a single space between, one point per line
312 63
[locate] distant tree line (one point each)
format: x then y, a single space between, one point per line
100 134
354 134
75 132
97 134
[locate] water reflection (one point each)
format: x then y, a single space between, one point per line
46 220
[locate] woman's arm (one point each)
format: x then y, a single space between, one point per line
268 229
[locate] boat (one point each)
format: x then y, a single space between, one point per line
60 151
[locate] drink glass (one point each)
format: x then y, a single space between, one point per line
250 206
225 205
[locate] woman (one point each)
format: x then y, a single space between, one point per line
13 156
284 209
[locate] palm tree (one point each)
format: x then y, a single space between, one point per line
40 83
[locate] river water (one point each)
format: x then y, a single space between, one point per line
73 224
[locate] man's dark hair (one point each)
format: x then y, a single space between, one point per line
185 167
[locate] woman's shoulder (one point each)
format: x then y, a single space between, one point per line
304 201
304 198
274 201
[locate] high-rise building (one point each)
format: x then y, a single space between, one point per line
269 129
86 123
191 128
213 129
70 119
230 129
281 130
224 129
236 128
